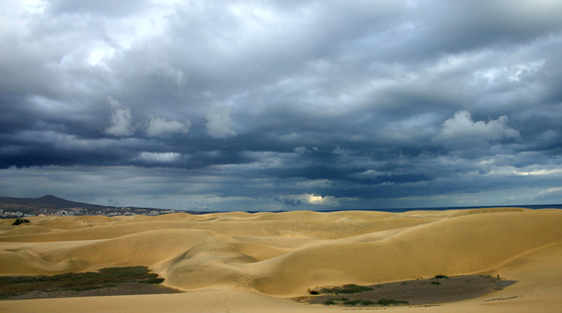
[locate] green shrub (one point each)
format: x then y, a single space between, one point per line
20 221
435 283
441 276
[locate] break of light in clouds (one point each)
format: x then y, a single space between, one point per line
282 105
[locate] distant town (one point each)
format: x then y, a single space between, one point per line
123 211
51 205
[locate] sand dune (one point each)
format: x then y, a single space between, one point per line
284 254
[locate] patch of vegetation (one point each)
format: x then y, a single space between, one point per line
313 292
404 284
19 221
441 276
116 274
345 289
358 302
10 285
152 281
332 301
384 301
91 288
435 283
7 295
362 302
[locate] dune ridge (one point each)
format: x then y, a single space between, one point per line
281 254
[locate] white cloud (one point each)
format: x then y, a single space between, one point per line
159 157
160 127
35 6
219 124
539 172
303 149
371 174
308 199
551 194
551 190
121 120
461 129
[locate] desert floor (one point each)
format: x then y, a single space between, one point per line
241 262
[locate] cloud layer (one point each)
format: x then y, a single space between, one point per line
264 105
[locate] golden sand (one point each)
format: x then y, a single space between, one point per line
241 262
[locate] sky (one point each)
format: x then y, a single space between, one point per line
282 105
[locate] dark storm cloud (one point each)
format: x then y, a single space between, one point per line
311 104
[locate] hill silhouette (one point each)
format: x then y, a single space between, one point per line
48 201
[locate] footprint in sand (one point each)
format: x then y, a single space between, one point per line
219 305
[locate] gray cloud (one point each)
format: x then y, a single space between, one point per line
262 104
121 120
219 124
461 130
160 127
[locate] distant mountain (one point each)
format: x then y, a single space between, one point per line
50 205
49 201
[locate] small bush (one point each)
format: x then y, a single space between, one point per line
313 292
435 283
329 302
441 276
20 221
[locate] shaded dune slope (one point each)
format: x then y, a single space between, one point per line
281 253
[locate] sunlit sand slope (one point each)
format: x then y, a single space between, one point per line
538 290
282 254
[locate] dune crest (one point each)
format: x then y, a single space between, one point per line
281 254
